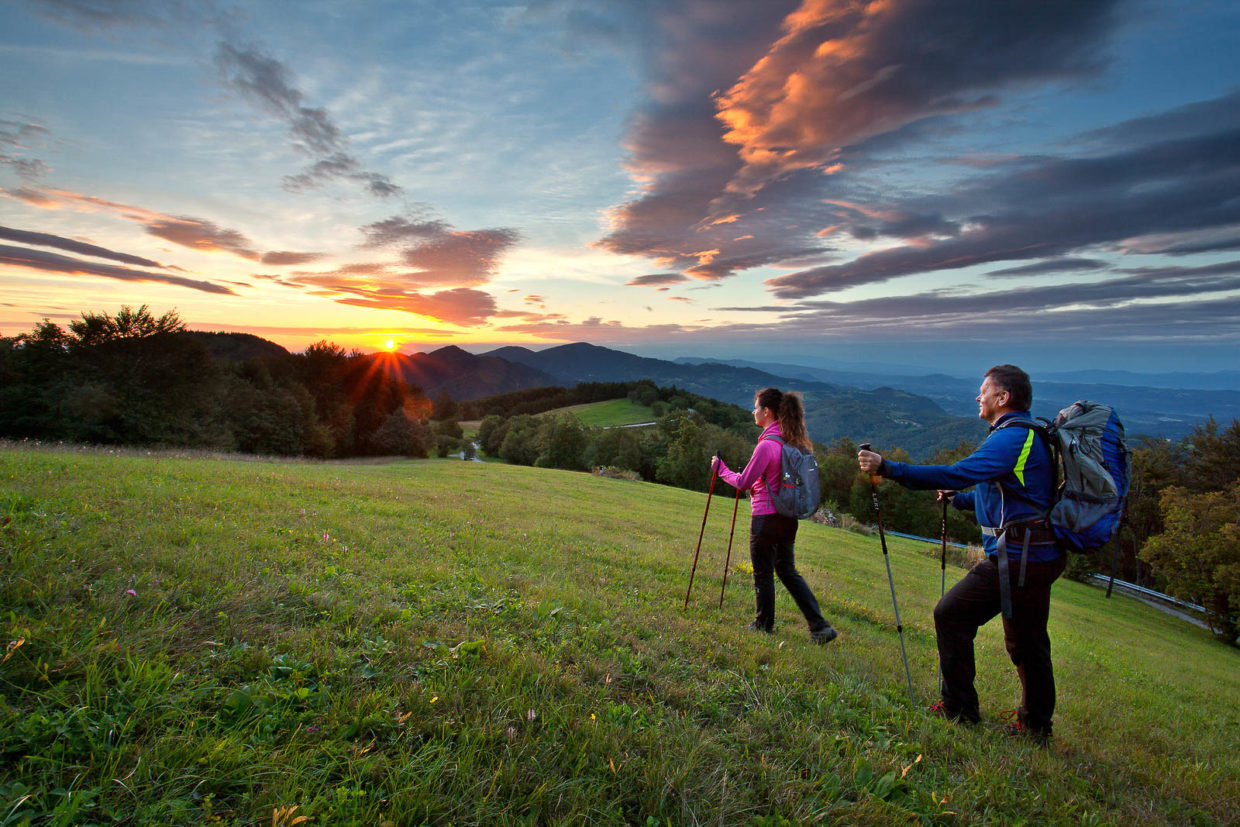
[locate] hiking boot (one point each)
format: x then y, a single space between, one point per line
940 709
823 634
756 627
1018 728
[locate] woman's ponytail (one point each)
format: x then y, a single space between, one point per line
792 422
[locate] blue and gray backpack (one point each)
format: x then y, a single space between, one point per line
1087 442
799 492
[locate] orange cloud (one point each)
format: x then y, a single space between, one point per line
844 72
460 306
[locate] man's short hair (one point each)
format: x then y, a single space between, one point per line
1016 382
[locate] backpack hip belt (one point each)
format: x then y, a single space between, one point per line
1039 533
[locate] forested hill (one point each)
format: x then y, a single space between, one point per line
465 376
884 416
237 347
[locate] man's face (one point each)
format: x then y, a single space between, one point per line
991 401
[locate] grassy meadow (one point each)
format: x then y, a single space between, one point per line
222 641
609 414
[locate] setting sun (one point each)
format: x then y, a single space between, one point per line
389 344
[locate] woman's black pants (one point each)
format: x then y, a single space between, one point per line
771 539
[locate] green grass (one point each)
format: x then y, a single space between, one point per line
609 414
195 640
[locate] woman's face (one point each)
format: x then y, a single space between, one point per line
761 416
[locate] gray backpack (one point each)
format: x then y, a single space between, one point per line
798 493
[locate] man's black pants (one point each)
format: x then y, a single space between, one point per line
975 600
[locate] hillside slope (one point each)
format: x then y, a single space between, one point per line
468 643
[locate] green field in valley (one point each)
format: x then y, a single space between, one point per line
610 414
214 640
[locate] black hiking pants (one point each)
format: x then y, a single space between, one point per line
974 601
771 539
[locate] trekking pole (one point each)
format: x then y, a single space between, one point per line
882 538
713 473
728 561
943 573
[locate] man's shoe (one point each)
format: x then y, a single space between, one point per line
1020 729
939 708
823 634
756 627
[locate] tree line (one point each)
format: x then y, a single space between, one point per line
134 379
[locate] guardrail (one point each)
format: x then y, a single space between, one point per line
934 540
1141 590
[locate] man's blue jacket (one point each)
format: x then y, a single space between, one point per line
1015 457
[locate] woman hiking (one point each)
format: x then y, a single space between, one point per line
771 535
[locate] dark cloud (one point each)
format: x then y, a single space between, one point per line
268 83
201 235
1192 244
55 263
657 279
1058 265
91 15
402 230
194 233
1050 207
340 165
438 254
81 248
1157 302
286 258
15 139
463 257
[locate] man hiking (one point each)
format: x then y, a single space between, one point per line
1015 479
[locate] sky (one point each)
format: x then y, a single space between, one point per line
946 184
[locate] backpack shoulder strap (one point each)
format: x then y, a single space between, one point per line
1044 430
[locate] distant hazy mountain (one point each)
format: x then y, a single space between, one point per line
1223 380
886 416
1156 410
466 376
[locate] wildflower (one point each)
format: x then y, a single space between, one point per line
512 734
131 592
434 699
531 715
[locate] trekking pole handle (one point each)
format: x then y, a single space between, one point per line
875 479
